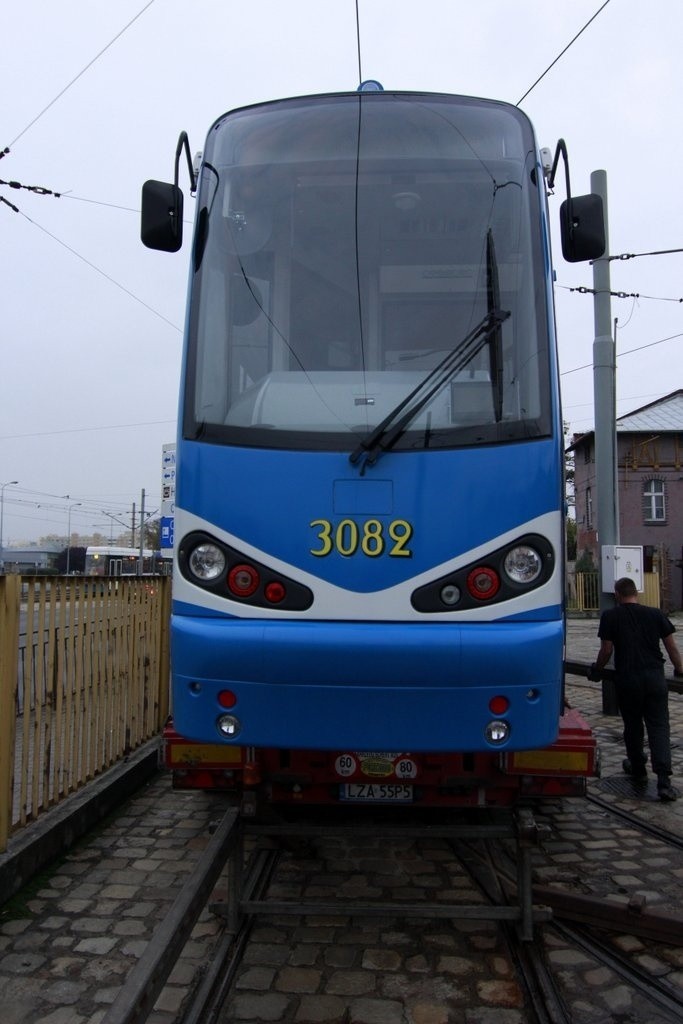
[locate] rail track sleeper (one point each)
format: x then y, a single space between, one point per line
638 920
305 830
454 911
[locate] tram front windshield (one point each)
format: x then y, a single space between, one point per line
346 248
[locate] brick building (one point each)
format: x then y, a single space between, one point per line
650 481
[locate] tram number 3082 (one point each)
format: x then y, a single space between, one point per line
371 537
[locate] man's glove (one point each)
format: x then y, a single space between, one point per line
678 675
594 673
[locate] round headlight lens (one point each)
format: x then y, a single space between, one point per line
207 562
497 732
229 726
523 564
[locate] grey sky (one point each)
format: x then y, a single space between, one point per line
90 333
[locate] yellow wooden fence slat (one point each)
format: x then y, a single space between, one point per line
10 600
95 651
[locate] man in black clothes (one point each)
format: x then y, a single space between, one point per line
633 632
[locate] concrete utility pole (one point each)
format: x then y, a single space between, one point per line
141 562
605 399
605 402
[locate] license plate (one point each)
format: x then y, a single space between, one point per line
376 792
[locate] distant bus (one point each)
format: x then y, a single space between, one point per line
117 561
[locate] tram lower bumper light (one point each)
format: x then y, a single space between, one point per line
229 726
497 732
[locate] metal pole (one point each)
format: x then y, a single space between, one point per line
2 519
604 393
68 536
605 401
141 563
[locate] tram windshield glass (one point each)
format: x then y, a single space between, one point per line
363 255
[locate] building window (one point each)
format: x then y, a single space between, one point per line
589 509
654 506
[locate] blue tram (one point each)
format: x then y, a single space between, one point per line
370 503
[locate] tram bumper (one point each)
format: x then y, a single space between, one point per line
322 685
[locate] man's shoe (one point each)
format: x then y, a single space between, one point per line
665 790
640 775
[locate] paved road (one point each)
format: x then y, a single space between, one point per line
70 939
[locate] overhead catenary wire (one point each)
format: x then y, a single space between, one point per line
627 352
98 270
40 190
81 430
638 255
79 75
583 290
560 55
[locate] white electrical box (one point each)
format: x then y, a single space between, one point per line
621 560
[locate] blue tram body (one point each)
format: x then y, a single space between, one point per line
369 506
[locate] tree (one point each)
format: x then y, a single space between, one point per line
76 560
153 534
585 563
570 527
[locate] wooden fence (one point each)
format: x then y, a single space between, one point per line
84 670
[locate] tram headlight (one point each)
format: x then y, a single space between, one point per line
206 562
497 732
523 564
229 726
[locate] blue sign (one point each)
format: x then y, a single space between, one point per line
166 532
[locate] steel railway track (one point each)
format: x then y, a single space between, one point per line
493 871
485 853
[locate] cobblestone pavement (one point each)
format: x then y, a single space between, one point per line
68 940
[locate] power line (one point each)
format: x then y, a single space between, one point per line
561 54
637 255
84 430
112 206
628 352
582 290
80 74
93 266
360 71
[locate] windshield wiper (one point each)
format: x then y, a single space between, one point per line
488 330
496 335
386 434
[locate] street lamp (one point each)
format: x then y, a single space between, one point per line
68 534
9 483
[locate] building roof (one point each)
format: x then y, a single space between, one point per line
664 414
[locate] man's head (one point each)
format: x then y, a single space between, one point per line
625 589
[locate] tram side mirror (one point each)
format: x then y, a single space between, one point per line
161 224
582 226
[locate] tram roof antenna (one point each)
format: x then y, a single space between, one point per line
370 85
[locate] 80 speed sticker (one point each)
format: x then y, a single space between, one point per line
376 765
